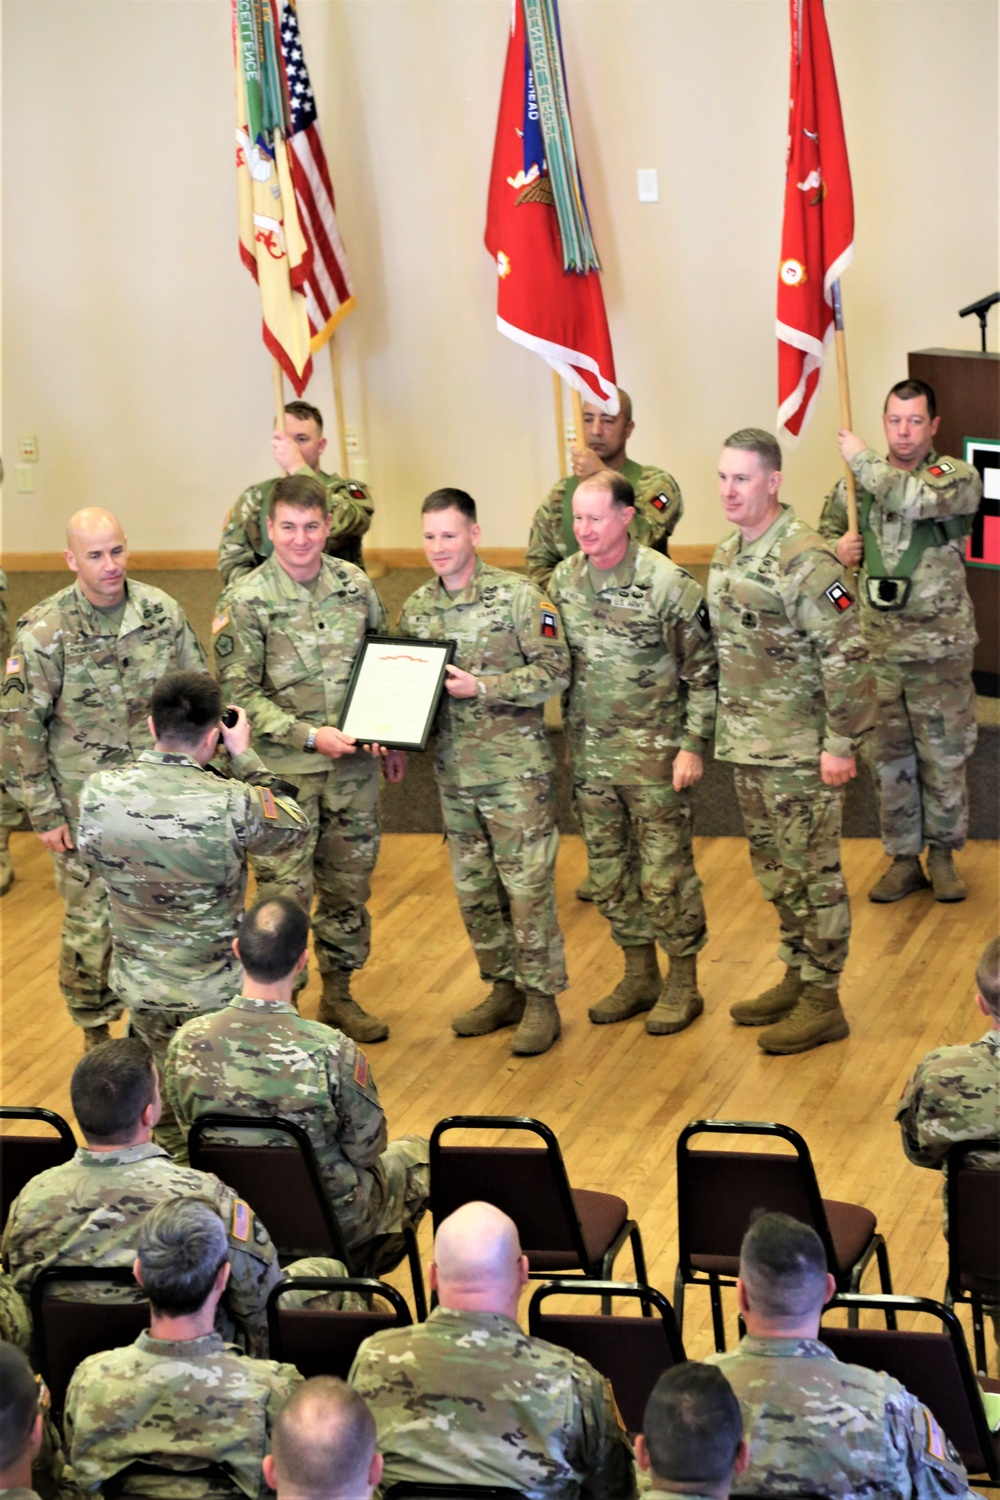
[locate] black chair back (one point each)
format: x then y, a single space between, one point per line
24 1156
973 1200
66 1331
320 1341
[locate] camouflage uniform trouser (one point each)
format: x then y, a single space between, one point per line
792 822
338 857
85 944
924 734
399 1194
502 841
642 873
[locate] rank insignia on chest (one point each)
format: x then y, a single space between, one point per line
268 805
355 491
659 502
941 468
839 597
548 622
241 1220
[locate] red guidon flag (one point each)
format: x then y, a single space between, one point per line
558 313
817 237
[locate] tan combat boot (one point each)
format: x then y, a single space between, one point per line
638 990
6 868
336 1008
773 1005
93 1036
946 882
681 1001
903 876
503 1006
540 1025
817 1018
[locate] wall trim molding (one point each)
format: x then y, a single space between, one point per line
391 557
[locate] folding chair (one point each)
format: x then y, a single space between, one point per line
718 1191
321 1341
972 1200
630 1352
934 1367
24 1156
67 1330
563 1230
284 1187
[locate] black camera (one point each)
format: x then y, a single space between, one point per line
229 717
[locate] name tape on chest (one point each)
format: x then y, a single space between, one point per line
241 1220
941 468
839 597
548 621
268 805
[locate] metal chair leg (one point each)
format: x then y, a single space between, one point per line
885 1280
679 1300
639 1260
978 1333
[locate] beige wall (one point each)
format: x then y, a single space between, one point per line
131 344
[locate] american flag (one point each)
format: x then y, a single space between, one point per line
328 290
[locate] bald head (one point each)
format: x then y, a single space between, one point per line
478 1265
323 1446
97 552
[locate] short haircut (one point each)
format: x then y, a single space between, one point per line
625 405
182 1246
324 1440
272 936
988 976
446 499
783 1263
110 1088
756 440
183 705
304 491
912 390
612 483
18 1404
693 1425
303 412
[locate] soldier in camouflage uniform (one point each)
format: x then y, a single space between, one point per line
658 497
245 543
285 641
21 1424
170 836
259 1057
493 763
953 1093
815 1425
691 1441
179 1396
75 700
467 1397
639 718
46 1460
323 1444
915 510
795 697
11 814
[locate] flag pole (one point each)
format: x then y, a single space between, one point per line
845 400
577 416
338 403
560 430
278 381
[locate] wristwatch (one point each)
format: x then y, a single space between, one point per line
310 743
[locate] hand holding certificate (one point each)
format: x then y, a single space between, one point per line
395 690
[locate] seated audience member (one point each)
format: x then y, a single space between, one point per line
47 1460
260 1057
692 1434
179 1397
88 1210
323 1445
21 1421
814 1424
468 1397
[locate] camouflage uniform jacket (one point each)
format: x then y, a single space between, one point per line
834 1429
191 1403
4 632
76 699
170 839
794 675
245 544
936 621
644 667
658 509
284 652
953 1095
467 1397
88 1211
511 639
17 1493
260 1057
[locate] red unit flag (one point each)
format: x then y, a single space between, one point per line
555 312
817 237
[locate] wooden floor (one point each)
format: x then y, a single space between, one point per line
615 1096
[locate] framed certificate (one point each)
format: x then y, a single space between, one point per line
394 691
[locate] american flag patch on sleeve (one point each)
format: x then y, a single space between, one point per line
268 805
241 1220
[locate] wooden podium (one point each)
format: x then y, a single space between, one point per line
967 386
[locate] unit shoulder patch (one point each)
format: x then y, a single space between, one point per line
660 501
941 468
839 597
548 621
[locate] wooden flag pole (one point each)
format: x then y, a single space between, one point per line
577 416
338 404
845 401
278 381
560 430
